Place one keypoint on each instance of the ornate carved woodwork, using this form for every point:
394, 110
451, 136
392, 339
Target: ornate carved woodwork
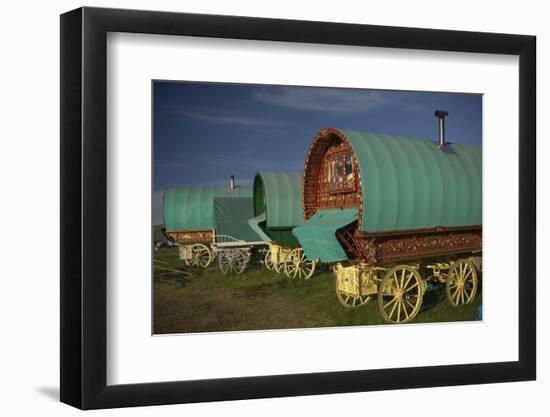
331, 176
393, 248
196, 236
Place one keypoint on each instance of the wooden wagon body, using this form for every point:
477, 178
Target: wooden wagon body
386, 209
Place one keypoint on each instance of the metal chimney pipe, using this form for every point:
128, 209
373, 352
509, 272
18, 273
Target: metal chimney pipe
441, 114
232, 182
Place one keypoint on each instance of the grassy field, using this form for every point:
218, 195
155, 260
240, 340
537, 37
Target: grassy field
206, 300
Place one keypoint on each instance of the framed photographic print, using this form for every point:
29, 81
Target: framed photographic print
257, 208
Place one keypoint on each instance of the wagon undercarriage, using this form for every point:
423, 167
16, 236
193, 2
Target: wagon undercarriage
292, 262
234, 256
400, 288
398, 269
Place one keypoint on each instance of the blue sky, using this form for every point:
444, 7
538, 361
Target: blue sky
204, 132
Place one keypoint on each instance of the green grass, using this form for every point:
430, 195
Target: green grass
207, 300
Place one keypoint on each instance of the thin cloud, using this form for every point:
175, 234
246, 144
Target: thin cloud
235, 120
322, 99
246, 160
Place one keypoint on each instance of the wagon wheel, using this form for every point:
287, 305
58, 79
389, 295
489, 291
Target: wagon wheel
297, 265
400, 294
201, 256
268, 262
233, 261
461, 285
351, 301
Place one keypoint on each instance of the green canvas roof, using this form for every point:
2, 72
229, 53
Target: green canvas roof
412, 184
278, 194
192, 208
318, 235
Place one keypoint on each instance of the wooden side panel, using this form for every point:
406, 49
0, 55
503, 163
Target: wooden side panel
395, 248
192, 236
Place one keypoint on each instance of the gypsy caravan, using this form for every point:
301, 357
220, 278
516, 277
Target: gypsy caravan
392, 213
209, 222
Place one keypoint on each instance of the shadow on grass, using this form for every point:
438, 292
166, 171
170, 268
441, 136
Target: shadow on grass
178, 279
433, 297
438, 295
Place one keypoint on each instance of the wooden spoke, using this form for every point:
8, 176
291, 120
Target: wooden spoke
410, 304
268, 262
351, 301
456, 293
399, 311
393, 309
412, 287
407, 281
400, 294
393, 300
297, 265
461, 285
405, 309
201, 256
233, 261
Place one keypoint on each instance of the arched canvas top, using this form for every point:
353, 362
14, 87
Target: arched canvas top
192, 208
413, 184
278, 195
409, 184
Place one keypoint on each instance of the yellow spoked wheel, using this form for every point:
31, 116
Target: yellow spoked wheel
350, 300
268, 262
400, 294
461, 285
297, 265
201, 256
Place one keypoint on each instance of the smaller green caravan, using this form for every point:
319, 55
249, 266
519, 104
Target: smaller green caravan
278, 210
209, 222
192, 209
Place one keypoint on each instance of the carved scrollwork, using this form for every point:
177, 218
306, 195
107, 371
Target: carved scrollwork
392, 248
186, 237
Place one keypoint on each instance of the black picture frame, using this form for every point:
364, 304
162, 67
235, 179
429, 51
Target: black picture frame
84, 207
